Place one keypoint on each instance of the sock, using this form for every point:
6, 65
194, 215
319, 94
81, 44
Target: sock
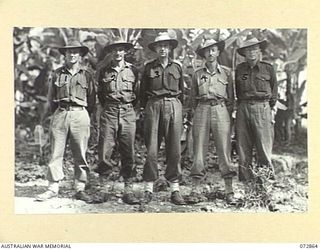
79, 185
148, 187
174, 186
53, 186
228, 185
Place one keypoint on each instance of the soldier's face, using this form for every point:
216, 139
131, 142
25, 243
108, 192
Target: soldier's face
73, 56
163, 49
118, 53
252, 53
211, 53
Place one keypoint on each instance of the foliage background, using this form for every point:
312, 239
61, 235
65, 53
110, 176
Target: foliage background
36, 55
220, 227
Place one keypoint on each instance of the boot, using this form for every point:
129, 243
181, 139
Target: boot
128, 196
177, 199
194, 196
147, 198
52, 192
49, 194
83, 196
130, 199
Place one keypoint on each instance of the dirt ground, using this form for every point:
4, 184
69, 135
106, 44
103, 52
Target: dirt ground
287, 194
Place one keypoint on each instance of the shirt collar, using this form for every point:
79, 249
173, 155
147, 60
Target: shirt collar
66, 70
157, 61
258, 65
125, 65
204, 67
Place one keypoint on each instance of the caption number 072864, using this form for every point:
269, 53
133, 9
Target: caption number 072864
308, 245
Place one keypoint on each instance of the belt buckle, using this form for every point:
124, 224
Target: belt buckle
214, 103
72, 108
124, 105
64, 107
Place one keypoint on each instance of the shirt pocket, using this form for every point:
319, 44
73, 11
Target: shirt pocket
109, 82
221, 88
243, 83
155, 79
263, 83
62, 86
173, 80
128, 82
202, 87
81, 87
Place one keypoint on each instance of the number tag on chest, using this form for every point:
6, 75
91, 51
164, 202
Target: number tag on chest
244, 77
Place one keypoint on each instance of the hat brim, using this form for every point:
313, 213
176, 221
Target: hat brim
173, 44
262, 45
110, 47
220, 46
83, 49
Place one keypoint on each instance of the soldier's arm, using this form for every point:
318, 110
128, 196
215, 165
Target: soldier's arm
193, 92
143, 88
274, 88
91, 94
236, 84
181, 86
136, 87
100, 88
230, 93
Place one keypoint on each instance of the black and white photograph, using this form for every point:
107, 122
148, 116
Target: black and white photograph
160, 120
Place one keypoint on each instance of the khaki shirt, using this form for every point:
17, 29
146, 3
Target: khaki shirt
257, 83
158, 81
77, 89
118, 86
212, 86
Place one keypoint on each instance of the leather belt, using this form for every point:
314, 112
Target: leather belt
212, 102
70, 107
253, 101
165, 97
118, 105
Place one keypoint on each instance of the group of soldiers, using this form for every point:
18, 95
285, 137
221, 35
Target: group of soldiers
72, 99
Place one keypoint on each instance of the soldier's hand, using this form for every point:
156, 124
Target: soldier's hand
234, 114
190, 115
273, 115
141, 113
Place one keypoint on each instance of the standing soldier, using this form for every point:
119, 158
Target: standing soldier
71, 98
212, 102
256, 90
117, 93
161, 97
